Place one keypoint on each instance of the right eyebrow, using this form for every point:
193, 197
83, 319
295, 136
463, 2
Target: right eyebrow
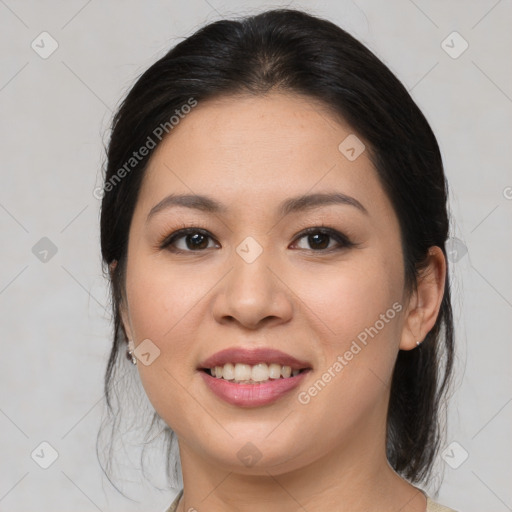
195, 201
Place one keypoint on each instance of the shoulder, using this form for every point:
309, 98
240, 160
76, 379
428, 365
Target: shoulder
174, 505
432, 506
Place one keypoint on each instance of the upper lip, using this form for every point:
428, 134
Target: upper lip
252, 357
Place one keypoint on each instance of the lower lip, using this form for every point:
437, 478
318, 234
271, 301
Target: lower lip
252, 395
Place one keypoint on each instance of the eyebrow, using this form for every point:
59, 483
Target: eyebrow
291, 205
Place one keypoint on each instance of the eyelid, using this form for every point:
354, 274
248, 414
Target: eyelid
337, 235
182, 232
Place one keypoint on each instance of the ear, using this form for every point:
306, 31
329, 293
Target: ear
425, 302
111, 268
123, 310
125, 321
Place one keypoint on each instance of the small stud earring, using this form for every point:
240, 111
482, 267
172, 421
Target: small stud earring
131, 349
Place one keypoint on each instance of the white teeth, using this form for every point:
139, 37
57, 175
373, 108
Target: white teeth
261, 372
228, 371
242, 371
274, 371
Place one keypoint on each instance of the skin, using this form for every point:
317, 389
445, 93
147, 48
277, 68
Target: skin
250, 153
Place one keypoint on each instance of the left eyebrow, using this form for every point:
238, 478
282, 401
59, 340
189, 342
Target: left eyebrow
308, 202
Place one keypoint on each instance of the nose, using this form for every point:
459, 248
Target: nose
253, 295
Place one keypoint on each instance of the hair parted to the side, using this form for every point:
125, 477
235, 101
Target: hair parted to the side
292, 51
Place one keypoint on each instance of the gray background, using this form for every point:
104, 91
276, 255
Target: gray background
54, 307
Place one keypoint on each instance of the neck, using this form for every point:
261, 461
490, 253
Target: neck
354, 477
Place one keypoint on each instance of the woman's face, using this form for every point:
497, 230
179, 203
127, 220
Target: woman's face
248, 277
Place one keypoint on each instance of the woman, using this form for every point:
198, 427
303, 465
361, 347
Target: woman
274, 222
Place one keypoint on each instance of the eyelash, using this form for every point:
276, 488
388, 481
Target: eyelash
342, 239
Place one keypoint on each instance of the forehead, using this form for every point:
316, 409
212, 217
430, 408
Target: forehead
273, 128
259, 148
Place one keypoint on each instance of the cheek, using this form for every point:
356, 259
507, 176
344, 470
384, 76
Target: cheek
343, 300
354, 312
162, 302
356, 324
159, 295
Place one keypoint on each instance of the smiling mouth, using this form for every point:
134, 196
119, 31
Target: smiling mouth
239, 373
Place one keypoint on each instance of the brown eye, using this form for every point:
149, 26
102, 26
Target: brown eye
193, 240
319, 239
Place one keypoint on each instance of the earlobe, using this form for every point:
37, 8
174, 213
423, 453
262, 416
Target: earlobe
125, 323
111, 268
411, 332
426, 301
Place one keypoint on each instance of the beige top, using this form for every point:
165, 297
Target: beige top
432, 506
